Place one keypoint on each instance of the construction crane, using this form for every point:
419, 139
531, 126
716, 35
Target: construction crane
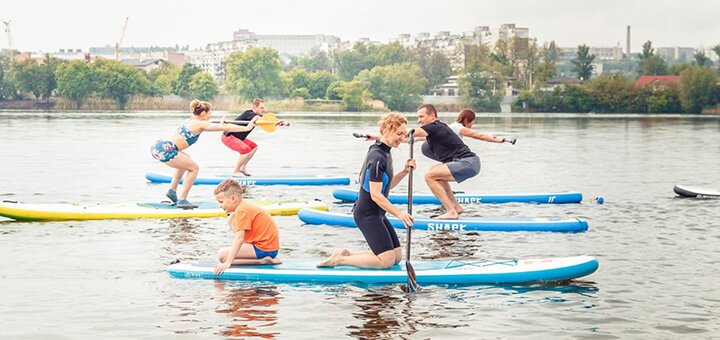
9, 40
119, 43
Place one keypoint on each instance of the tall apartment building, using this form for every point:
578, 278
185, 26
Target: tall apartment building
601, 53
212, 60
452, 45
676, 53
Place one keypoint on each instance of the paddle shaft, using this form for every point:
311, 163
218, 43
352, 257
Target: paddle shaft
245, 122
412, 281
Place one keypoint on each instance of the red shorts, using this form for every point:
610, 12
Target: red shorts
239, 145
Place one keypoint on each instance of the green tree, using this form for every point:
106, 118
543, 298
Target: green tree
295, 79
315, 61
335, 90
547, 68
254, 74
319, 83
301, 92
49, 67
647, 52
665, 99
28, 77
678, 68
582, 64
203, 86
399, 86
164, 78
435, 67
391, 54
701, 59
349, 63
7, 89
354, 96
118, 81
75, 81
653, 66
716, 49
481, 91
182, 86
611, 93
698, 88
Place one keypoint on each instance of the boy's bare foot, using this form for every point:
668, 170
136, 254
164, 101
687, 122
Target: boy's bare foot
270, 260
459, 210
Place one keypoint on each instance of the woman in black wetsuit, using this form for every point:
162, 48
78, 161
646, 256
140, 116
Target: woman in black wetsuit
377, 178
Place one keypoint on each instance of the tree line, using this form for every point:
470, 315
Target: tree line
698, 88
392, 73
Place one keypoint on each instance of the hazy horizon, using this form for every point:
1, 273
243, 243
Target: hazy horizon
51, 25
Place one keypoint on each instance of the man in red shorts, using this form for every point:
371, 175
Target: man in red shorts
239, 142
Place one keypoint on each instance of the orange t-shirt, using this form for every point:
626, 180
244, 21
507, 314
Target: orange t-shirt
260, 229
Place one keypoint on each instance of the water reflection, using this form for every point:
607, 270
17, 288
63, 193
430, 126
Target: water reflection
252, 309
448, 244
383, 314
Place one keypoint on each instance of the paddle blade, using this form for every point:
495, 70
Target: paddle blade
412, 279
267, 127
267, 122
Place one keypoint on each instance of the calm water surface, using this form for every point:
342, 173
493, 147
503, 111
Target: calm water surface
659, 255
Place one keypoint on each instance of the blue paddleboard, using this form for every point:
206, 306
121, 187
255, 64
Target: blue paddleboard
257, 180
464, 272
561, 197
466, 224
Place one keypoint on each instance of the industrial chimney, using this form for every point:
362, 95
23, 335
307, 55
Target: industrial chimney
627, 43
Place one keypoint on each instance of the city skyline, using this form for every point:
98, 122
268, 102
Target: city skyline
83, 24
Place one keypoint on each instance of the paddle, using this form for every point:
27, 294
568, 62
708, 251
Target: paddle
412, 280
267, 122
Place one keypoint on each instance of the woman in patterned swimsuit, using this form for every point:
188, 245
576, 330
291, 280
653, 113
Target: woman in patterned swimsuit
170, 151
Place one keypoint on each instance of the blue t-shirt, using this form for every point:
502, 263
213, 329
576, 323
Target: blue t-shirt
378, 167
444, 142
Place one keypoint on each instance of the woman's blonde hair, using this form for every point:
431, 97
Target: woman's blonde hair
198, 107
391, 122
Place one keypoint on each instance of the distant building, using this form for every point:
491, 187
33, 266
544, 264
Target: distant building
449, 88
656, 82
682, 54
146, 65
453, 45
212, 60
601, 53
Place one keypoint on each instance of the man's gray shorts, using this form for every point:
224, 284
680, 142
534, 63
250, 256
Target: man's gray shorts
464, 168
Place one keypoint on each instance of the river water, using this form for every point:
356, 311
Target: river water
658, 254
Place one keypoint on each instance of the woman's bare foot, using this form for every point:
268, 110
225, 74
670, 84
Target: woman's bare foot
331, 262
334, 259
341, 252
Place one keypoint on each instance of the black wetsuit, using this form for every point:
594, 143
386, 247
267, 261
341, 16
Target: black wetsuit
444, 143
247, 115
369, 217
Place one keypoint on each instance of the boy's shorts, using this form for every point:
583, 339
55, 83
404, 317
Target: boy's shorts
259, 253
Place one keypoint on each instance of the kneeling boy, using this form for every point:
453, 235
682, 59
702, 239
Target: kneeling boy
257, 238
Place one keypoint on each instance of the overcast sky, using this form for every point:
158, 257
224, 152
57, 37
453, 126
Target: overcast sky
52, 24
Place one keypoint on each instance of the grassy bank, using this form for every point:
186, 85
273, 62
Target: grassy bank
170, 103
